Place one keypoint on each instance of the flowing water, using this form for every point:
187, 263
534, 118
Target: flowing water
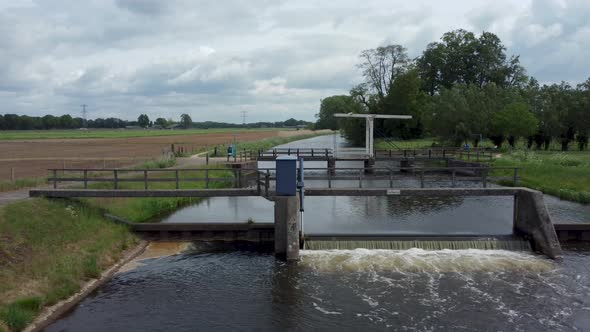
211, 286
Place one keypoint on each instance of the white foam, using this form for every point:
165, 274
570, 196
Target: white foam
419, 260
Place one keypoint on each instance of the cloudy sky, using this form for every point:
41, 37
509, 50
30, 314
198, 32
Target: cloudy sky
274, 59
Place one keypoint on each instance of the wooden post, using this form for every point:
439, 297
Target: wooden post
145, 179
54, 179
390, 178
266, 182
207, 179
258, 182
85, 179
176, 176
421, 178
116, 179
361, 178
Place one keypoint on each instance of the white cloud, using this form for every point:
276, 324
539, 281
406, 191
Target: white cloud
275, 59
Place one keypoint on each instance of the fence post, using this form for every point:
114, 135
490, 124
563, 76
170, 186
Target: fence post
104, 163
258, 182
484, 176
116, 177
85, 179
207, 179
12, 174
361, 178
54, 179
329, 180
145, 179
390, 177
453, 178
207, 159
266, 182
176, 175
421, 178
515, 176
239, 178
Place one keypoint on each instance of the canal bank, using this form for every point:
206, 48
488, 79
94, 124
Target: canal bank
50, 249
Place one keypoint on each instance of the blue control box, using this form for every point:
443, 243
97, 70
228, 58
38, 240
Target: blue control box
286, 175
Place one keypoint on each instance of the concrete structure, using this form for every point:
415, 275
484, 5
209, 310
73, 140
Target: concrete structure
287, 227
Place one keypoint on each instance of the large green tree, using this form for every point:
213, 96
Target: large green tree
515, 121
186, 121
143, 121
462, 57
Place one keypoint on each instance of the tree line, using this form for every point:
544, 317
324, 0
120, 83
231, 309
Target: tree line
463, 88
66, 121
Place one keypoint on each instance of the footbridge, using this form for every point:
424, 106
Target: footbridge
531, 221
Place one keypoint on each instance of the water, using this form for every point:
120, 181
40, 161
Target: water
226, 289
237, 287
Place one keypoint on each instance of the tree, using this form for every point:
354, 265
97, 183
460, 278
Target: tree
186, 121
515, 121
143, 121
331, 105
462, 57
381, 67
161, 122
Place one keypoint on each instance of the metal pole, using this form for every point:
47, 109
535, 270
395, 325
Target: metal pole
145, 179
85, 179
390, 177
176, 176
515, 176
453, 179
116, 178
258, 182
484, 178
207, 179
54, 179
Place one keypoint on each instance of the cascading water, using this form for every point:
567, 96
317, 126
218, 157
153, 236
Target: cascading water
514, 244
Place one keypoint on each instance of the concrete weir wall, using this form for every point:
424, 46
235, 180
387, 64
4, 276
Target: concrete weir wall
287, 227
532, 221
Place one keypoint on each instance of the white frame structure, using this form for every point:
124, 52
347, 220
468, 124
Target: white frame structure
370, 123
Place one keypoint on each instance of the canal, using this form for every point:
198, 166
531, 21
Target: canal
238, 287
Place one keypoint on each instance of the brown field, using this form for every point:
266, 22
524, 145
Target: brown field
32, 158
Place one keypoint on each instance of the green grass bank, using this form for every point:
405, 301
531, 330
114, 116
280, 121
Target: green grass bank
562, 174
50, 248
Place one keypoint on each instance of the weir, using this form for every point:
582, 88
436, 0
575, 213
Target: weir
532, 226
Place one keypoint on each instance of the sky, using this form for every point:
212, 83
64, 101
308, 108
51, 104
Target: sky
273, 59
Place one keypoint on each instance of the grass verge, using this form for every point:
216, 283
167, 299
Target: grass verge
48, 249
21, 183
562, 174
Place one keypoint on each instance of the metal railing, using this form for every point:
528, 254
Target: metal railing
262, 178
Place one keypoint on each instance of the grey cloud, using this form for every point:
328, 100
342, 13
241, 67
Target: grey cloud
274, 59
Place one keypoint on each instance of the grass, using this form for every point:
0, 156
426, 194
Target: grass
144, 209
562, 174
48, 248
21, 183
116, 133
381, 144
